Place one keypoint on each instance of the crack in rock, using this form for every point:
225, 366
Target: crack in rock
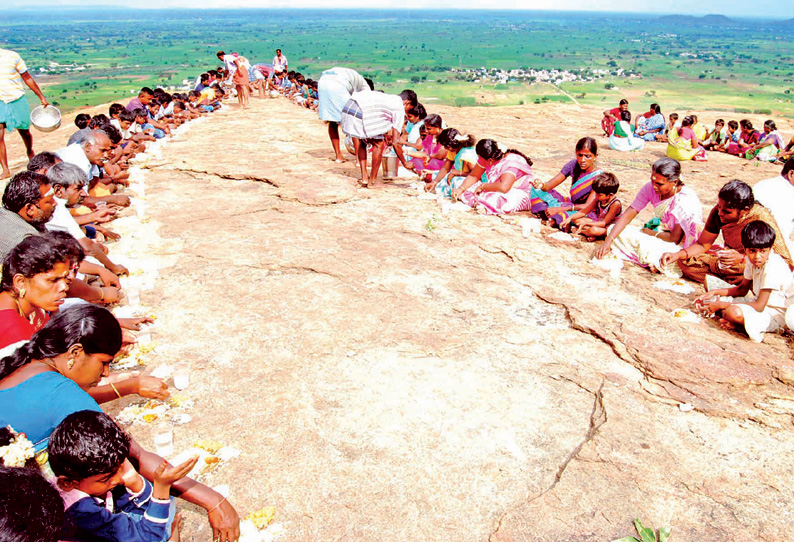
598, 417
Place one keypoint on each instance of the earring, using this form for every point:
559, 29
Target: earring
70, 364
22, 293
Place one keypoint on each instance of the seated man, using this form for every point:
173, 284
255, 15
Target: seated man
144, 97
89, 155
777, 195
70, 183
736, 207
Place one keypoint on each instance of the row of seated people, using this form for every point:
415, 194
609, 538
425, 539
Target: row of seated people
58, 338
495, 179
689, 139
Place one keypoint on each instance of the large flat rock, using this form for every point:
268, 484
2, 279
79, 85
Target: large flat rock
392, 373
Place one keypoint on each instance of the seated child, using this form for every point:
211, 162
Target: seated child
716, 136
772, 283
115, 110
600, 211
731, 136
104, 496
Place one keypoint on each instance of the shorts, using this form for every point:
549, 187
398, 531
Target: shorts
15, 115
757, 323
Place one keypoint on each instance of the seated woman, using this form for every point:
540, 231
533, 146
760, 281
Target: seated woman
736, 207
613, 115
46, 379
582, 170
509, 175
676, 225
749, 136
700, 129
432, 155
787, 152
769, 145
622, 139
35, 278
650, 124
461, 159
683, 144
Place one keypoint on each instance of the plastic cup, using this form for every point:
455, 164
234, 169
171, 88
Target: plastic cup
181, 376
133, 297
163, 437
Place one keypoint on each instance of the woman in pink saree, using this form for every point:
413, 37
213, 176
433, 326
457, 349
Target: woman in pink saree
509, 187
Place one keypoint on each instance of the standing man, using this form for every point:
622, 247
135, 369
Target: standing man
334, 89
280, 62
14, 109
374, 118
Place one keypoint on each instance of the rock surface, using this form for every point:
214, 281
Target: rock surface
393, 373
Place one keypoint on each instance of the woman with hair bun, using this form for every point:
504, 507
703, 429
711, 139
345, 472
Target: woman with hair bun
509, 180
47, 379
460, 160
769, 146
678, 219
683, 144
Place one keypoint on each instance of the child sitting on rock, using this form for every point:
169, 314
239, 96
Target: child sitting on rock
772, 283
104, 496
600, 211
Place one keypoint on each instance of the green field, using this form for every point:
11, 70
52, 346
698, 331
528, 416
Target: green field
745, 67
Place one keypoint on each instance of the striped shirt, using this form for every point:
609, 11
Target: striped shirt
12, 67
380, 112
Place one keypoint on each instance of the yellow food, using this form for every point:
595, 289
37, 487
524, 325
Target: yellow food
177, 400
210, 446
211, 460
149, 418
146, 348
262, 518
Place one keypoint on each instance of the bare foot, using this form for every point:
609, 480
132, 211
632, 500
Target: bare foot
725, 324
340, 160
176, 527
376, 184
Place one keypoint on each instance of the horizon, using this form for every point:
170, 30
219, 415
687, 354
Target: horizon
572, 8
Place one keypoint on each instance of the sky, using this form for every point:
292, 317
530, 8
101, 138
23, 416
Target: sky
773, 9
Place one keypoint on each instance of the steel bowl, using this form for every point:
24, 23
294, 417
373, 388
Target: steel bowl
45, 119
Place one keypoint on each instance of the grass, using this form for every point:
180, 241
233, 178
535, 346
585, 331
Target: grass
747, 68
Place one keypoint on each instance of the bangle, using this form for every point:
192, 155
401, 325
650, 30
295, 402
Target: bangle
686, 254
657, 234
211, 510
101, 294
115, 389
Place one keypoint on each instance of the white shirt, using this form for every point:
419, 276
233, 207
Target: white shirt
280, 63
125, 134
774, 275
62, 220
777, 195
74, 154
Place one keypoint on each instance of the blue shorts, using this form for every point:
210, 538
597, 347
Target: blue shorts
15, 115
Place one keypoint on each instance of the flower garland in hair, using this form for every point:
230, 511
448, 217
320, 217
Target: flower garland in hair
18, 452
459, 137
502, 147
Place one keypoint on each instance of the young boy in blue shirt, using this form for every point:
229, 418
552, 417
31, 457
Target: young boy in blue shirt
104, 496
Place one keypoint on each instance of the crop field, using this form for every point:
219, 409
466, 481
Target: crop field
95, 56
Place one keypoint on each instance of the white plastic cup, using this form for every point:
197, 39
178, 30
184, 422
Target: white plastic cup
133, 297
446, 207
181, 376
163, 437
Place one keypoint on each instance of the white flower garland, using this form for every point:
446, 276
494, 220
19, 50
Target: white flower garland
18, 452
